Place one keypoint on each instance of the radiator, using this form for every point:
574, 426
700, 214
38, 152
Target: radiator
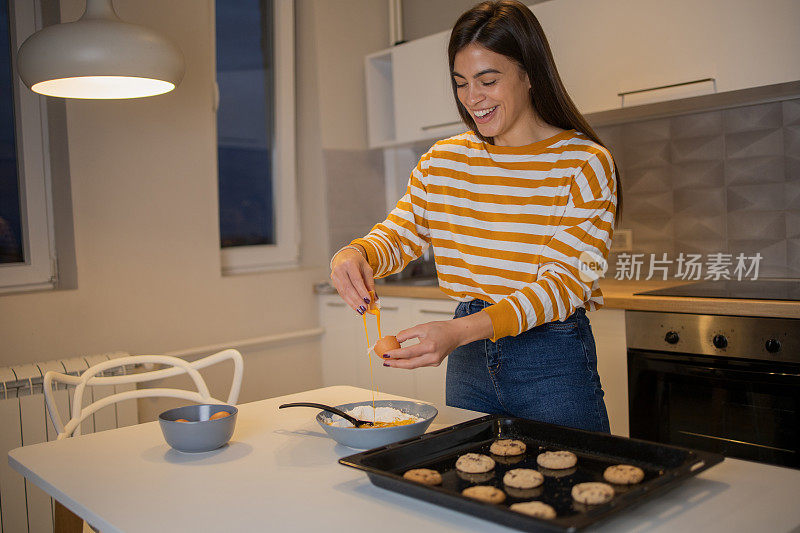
25, 508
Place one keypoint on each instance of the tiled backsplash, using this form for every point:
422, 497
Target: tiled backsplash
720, 181
711, 182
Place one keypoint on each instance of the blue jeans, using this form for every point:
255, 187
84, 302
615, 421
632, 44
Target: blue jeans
548, 373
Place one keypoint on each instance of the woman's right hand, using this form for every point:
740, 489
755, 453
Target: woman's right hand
353, 278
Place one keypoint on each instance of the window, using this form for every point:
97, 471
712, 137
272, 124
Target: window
27, 254
255, 134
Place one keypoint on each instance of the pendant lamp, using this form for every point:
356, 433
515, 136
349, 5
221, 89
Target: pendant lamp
99, 56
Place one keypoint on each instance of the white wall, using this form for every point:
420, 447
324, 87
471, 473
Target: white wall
424, 17
144, 196
346, 31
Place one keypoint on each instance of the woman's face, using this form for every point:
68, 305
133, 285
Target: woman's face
495, 91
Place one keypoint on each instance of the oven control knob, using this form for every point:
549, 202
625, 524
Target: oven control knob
672, 337
720, 341
773, 345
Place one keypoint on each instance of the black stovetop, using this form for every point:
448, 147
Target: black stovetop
763, 289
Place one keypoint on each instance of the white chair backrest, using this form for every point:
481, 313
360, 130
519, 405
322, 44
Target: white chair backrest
177, 367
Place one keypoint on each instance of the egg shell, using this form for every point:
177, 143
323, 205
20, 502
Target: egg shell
385, 344
373, 306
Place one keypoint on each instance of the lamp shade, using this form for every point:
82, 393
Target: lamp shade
99, 56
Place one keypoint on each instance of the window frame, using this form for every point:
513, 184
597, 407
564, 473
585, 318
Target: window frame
285, 253
39, 271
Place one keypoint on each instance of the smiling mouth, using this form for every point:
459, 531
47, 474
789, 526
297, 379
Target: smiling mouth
483, 112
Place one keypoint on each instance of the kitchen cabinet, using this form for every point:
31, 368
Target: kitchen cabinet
344, 361
423, 103
608, 327
344, 347
340, 366
649, 44
430, 381
634, 46
408, 93
394, 318
649, 50
380, 99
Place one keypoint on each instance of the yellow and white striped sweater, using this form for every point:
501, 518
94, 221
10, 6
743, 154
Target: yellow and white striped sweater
508, 225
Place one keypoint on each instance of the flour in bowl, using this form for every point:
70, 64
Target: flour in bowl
381, 414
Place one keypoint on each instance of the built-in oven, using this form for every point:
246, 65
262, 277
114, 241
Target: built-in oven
725, 384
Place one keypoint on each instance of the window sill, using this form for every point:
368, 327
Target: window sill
33, 287
257, 269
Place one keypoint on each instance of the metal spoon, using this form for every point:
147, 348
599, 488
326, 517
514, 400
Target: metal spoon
356, 422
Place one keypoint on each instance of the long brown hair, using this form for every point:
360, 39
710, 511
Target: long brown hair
509, 28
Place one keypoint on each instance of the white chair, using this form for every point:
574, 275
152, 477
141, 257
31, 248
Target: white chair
65, 520
178, 366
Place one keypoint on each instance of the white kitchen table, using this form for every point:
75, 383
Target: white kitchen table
280, 473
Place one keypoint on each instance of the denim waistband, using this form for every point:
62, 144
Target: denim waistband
473, 306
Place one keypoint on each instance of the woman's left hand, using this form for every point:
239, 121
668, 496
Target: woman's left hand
437, 340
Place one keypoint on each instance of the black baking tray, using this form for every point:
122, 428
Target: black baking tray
664, 466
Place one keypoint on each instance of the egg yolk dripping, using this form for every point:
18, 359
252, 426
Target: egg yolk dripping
394, 423
372, 309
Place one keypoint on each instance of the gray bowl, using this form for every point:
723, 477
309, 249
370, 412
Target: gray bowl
366, 438
199, 434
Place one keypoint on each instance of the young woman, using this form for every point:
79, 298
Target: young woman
514, 209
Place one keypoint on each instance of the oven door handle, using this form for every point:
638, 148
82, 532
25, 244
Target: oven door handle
760, 371
744, 375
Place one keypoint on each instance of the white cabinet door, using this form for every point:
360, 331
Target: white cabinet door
380, 98
621, 46
394, 318
588, 74
431, 380
344, 357
605, 48
608, 326
342, 344
756, 43
424, 106
673, 50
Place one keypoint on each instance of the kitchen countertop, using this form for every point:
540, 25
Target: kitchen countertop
619, 294
280, 472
